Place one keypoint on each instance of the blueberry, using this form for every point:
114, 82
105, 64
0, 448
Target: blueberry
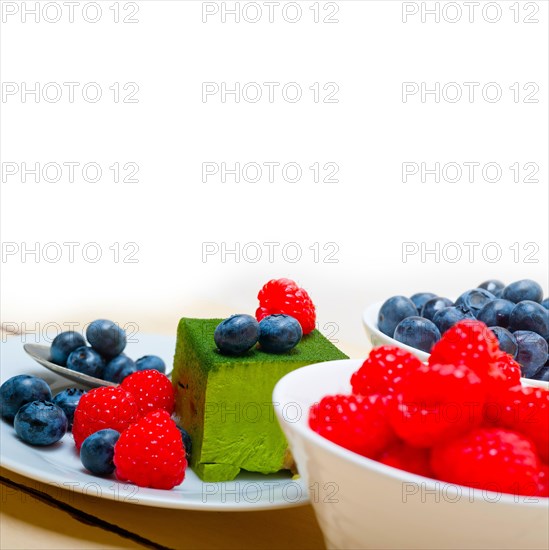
237, 334
523, 290
87, 361
507, 342
106, 337
151, 362
279, 333
420, 298
447, 317
542, 374
432, 306
187, 443
496, 313
97, 452
63, 345
528, 315
531, 353
418, 333
393, 311
68, 400
545, 303
20, 390
492, 285
118, 368
475, 299
498, 293
40, 423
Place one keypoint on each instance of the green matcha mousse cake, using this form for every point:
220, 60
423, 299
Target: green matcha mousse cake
225, 404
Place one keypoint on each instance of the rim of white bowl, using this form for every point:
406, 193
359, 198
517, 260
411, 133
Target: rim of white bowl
369, 319
302, 428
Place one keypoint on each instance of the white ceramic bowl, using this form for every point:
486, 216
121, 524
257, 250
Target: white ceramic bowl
360, 503
377, 338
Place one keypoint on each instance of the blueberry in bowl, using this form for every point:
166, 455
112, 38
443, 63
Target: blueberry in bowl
418, 333
393, 311
494, 286
433, 305
507, 341
447, 317
421, 298
529, 315
526, 289
475, 299
531, 352
496, 313
542, 375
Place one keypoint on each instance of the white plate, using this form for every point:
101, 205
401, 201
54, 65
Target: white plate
60, 466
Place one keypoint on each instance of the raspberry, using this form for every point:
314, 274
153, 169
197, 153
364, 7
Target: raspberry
470, 343
543, 481
150, 453
152, 391
408, 458
492, 459
436, 403
504, 373
354, 422
102, 408
284, 296
509, 367
384, 370
526, 410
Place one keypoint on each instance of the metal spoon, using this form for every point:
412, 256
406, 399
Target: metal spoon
41, 354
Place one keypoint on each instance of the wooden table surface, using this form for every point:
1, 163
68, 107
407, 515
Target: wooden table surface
34, 515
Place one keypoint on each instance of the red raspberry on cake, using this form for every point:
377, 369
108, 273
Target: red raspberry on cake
436, 403
493, 459
355, 422
150, 453
152, 391
470, 343
384, 370
102, 408
526, 410
284, 296
408, 458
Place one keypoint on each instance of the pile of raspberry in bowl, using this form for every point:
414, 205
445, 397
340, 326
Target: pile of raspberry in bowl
461, 418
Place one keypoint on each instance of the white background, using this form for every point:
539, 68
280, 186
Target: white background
170, 131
